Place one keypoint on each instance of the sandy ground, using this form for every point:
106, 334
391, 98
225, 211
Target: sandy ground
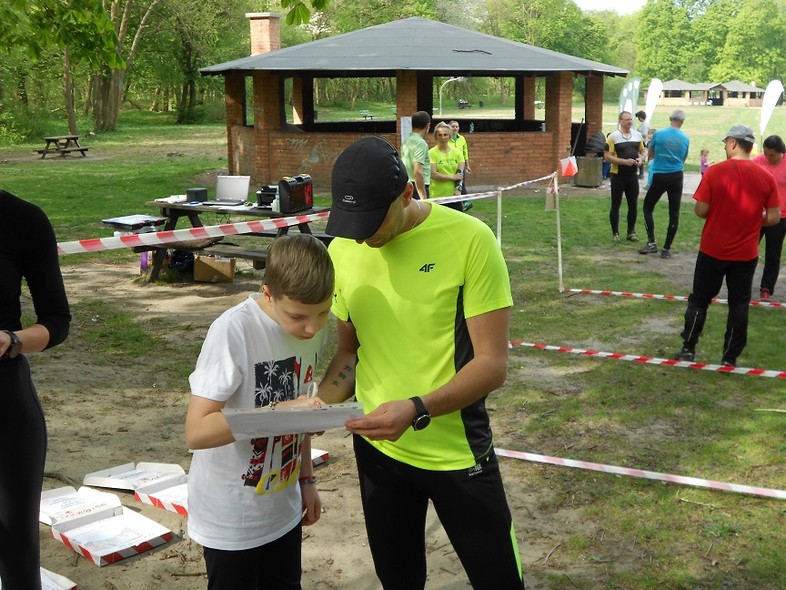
102, 412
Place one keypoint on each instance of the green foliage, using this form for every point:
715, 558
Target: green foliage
749, 53
663, 40
20, 122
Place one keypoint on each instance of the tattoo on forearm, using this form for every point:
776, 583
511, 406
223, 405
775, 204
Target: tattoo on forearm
343, 375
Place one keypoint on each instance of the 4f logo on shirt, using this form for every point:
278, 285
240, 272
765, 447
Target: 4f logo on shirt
428, 267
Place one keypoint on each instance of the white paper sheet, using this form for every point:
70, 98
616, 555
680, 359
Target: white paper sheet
259, 422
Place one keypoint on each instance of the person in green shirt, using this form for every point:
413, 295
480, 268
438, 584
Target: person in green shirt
447, 166
414, 154
423, 304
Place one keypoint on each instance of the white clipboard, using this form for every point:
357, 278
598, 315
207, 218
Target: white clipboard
259, 422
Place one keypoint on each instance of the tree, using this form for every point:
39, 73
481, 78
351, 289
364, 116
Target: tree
79, 29
108, 82
663, 39
750, 53
298, 13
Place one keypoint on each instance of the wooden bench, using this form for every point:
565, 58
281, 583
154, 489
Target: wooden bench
258, 257
366, 114
63, 151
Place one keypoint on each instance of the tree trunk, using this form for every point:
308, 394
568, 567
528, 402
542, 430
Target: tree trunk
88, 97
68, 90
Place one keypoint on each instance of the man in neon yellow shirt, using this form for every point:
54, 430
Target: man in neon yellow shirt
423, 304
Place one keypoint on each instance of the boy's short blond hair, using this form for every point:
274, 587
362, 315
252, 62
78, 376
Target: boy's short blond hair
298, 266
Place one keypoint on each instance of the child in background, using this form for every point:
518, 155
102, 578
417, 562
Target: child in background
248, 499
650, 133
705, 161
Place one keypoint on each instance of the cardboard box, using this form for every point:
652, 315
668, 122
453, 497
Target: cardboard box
95, 525
163, 485
214, 269
53, 581
319, 457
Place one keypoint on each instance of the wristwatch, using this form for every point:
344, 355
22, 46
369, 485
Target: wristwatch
16, 345
422, 417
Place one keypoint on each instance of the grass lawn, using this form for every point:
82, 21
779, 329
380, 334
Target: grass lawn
628, 533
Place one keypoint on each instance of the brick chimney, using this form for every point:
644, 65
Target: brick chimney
265, 32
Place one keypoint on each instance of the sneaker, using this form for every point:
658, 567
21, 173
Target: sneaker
615, 238
665, 253
632, 237
466, 205
764, 294
684, 354
729, 363
649, 249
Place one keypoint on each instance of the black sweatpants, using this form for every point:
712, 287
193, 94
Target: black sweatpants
707, 281
671, 184
629, 186
22, 457
773, 244
471, 506
273, 566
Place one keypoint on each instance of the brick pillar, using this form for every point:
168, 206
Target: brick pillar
265, 32
406, 97
529, 98
593, 105
235, 105
268, 98
559, 102
297, 100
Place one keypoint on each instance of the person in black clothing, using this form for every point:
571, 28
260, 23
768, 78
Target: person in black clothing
28, 250
625, 152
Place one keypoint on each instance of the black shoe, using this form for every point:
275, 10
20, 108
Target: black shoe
729, 363
684, 354
466, 205
649, 249
665, 254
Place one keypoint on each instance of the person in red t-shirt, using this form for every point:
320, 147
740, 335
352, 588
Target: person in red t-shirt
735, 198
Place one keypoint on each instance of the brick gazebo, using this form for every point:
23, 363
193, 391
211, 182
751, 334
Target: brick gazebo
414, 51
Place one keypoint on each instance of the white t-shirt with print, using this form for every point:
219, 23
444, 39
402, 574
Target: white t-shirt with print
248, 361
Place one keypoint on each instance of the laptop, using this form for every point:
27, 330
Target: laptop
230, 191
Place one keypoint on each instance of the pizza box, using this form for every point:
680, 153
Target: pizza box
163, 485
166, 496
319, 457
97, 526
52, 581
131, 477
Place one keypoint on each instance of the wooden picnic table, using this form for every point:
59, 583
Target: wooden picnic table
173, 212
63, 145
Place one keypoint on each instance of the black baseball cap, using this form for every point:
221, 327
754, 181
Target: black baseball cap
367, 177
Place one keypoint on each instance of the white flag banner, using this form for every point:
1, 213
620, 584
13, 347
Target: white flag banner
771, 96
653, 93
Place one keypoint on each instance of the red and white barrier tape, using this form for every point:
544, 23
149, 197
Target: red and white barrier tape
489, 194
667, 477
232, 229
179, 235
774, 304
649, 360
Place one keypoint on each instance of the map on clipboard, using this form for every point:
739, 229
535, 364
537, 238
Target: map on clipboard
259, 422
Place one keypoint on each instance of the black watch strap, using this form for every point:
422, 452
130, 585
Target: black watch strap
422, 417
15, 348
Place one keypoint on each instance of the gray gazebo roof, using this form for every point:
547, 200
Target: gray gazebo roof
414, 44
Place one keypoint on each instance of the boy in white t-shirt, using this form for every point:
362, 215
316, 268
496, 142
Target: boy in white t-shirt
248, 499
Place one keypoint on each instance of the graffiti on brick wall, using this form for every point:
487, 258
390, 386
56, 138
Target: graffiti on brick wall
315, 154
